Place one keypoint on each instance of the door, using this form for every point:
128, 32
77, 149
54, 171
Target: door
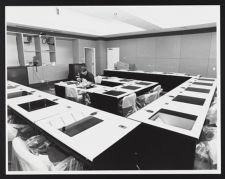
89, 56
113, 56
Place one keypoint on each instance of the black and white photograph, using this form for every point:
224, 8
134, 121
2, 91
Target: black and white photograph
112, 89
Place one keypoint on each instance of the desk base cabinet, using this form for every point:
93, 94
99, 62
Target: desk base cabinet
168, 82
160, 149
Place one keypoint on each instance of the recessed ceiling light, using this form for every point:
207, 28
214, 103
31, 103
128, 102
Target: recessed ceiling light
69, 20
175, 16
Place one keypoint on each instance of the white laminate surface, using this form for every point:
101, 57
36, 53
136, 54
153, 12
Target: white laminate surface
166, 102
91, 142
95, 140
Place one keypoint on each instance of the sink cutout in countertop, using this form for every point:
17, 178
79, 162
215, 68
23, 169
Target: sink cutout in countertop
174, 118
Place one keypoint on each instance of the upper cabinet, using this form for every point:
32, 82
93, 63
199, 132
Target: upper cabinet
35, 49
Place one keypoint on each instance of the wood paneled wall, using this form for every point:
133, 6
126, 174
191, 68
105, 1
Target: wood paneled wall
193, 53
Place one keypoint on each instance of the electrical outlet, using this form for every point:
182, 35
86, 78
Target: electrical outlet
214, 68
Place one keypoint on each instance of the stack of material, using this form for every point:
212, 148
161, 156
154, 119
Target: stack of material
132, 67
121, 66
38, 154
124, 66
206, 149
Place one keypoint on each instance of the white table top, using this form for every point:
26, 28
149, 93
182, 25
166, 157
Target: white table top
100, 89
95, 140
36, 115
128, 91
90, 90
89, 143
166, 102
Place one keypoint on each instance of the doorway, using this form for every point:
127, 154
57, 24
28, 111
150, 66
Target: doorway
89, 58
113, 56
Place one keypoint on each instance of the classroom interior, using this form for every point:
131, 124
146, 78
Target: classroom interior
112, 88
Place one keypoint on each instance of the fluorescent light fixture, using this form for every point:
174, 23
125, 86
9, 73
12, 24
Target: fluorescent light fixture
66, 20
175, 16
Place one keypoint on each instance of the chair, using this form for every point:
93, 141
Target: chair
72, 93
12, 132
146, 99
129, 105
212, 114
158, 89
213, 151
26, 160
140, 101
98, 79
150, 97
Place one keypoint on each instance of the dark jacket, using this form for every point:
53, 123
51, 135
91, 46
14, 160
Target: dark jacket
88, 77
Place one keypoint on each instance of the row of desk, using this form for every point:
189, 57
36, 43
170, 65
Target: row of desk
168, 81
49, 114
107, 95
173, 122
162, 135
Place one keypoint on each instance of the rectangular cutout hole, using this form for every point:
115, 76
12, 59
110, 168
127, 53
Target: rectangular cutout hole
174, 118
36, 105
188, 99
18, 94
199, 83
80, 126
114, 93
201, 90
143, 83
206, 79
130, 87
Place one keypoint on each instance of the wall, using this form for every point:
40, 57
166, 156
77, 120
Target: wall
64, 51
67, 51
12, 55
101, 56
100, 53
75, 47
64, 56
194, 53
82, 44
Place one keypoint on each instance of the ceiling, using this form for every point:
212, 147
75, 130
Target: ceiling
112, 21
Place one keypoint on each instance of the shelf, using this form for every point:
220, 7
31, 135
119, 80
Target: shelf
35, 48
47, 51
30, 51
